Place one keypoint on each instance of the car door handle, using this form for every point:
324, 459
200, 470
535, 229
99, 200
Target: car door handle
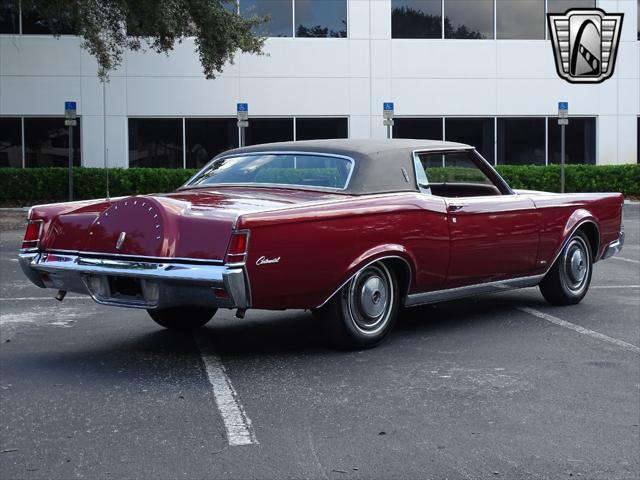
454, 207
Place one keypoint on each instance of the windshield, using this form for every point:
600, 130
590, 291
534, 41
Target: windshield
295, 169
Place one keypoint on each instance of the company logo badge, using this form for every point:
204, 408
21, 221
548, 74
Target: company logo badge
585, 43
120, 241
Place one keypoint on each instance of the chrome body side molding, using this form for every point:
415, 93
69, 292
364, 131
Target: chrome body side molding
416, 299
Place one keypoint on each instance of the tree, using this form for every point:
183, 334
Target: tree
109, 27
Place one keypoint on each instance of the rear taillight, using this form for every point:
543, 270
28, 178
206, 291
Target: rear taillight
238, 247
32, 235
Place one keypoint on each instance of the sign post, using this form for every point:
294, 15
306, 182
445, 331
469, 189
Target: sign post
70, 116
242, 111
387, 115
563, 121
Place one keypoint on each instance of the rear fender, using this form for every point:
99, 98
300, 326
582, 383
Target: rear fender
577, 219
376, 254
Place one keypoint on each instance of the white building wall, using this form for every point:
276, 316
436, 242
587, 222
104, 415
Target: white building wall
325, 77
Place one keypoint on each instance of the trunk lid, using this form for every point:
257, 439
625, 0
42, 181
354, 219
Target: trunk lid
188, 224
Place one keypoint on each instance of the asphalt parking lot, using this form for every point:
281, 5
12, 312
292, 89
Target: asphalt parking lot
502, 386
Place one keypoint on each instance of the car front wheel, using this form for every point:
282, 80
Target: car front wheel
182, 318
364, 310
568, 280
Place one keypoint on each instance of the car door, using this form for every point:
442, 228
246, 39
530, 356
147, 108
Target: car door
493, 232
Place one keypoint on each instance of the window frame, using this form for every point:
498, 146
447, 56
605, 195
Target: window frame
491, 173
545, 10
420, 38
77, 132
293, 21
20, 145
495, 24
187, 184
156, 117
493, 20
295, 26
545, 137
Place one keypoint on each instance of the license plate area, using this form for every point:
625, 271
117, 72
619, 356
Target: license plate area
125, 288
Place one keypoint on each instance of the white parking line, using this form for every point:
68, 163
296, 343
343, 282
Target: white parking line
614, 286
626, 259
579, 329
236, 421
28, 299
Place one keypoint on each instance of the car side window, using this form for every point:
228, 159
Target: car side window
452, 174
421, 177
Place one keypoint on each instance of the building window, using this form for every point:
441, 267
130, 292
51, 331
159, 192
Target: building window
10, 142
9, 17
280, 12
268, 130
561, 6
207, 137
521, 141
470, 19
580, 137
33, 24
321, 18
46, 142
416, 19
155, 142
318, 128
520, 19
423, 128
477, 132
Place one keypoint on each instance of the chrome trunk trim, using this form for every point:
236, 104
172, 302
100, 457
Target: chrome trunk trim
144, 258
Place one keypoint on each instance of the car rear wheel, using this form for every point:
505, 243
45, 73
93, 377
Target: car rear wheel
182, 318
363, 311
568, 280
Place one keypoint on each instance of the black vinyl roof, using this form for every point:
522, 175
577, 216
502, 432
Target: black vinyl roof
378, 165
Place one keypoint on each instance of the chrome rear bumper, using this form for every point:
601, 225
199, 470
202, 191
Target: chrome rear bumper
128, 283
614, 247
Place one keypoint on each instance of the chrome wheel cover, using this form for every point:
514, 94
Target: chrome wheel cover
369, 299
576, 266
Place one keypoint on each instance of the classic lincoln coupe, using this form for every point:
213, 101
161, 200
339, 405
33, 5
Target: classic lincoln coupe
353, 230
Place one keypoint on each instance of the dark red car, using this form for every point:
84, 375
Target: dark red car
351, 229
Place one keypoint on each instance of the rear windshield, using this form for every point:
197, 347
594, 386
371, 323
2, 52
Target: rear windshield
291, 169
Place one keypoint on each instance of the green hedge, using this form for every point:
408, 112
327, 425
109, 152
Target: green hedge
578, 178
32, 185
